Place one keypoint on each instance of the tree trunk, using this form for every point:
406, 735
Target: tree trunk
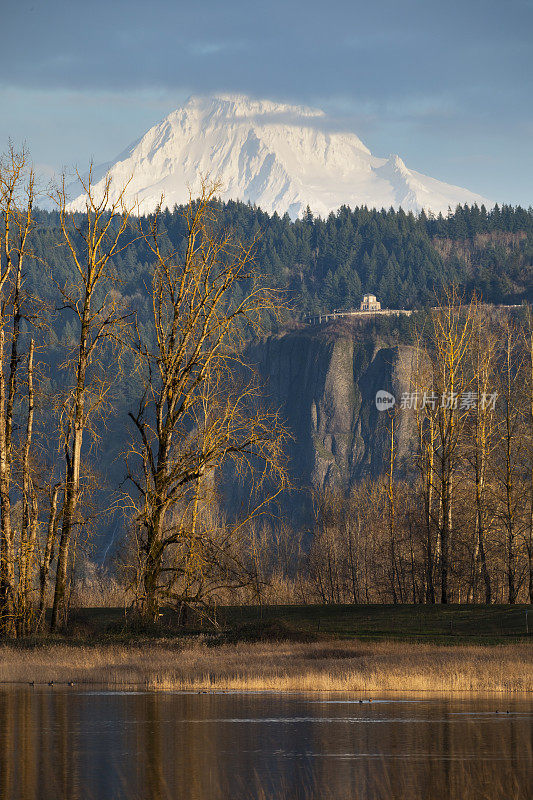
72, 478
48, 555
7, 554
430, 591
28, 533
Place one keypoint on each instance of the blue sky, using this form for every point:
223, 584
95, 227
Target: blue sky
447, 85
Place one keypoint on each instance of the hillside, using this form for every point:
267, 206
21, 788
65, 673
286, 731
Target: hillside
325, 264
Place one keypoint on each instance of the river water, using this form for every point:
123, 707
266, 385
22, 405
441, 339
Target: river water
61, 742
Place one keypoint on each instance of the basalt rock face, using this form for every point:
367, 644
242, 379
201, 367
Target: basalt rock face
325, 381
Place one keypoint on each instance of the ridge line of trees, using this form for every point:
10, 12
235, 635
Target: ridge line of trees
326, 264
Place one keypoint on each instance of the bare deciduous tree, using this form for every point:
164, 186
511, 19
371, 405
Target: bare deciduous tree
509, 467
92, 239
198, 415
479, 437
17, 188
528, 534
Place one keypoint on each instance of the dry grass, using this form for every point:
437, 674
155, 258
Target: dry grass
354, 666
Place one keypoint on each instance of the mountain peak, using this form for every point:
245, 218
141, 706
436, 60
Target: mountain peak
398, 165
279, 156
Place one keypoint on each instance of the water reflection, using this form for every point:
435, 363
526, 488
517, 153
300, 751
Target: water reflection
64, 743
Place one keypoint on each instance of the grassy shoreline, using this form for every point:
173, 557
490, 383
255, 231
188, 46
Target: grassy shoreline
288, 648
197, 665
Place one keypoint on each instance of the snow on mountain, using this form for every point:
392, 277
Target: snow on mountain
277, 156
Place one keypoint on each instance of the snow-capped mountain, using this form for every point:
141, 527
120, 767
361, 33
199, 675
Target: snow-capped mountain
279, 157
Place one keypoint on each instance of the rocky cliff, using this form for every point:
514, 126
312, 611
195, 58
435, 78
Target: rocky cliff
324, 380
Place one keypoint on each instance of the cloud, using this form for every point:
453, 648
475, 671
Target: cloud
215, 48
372, 50
80, 79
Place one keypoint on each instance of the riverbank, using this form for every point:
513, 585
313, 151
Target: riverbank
431, 624
196, 664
